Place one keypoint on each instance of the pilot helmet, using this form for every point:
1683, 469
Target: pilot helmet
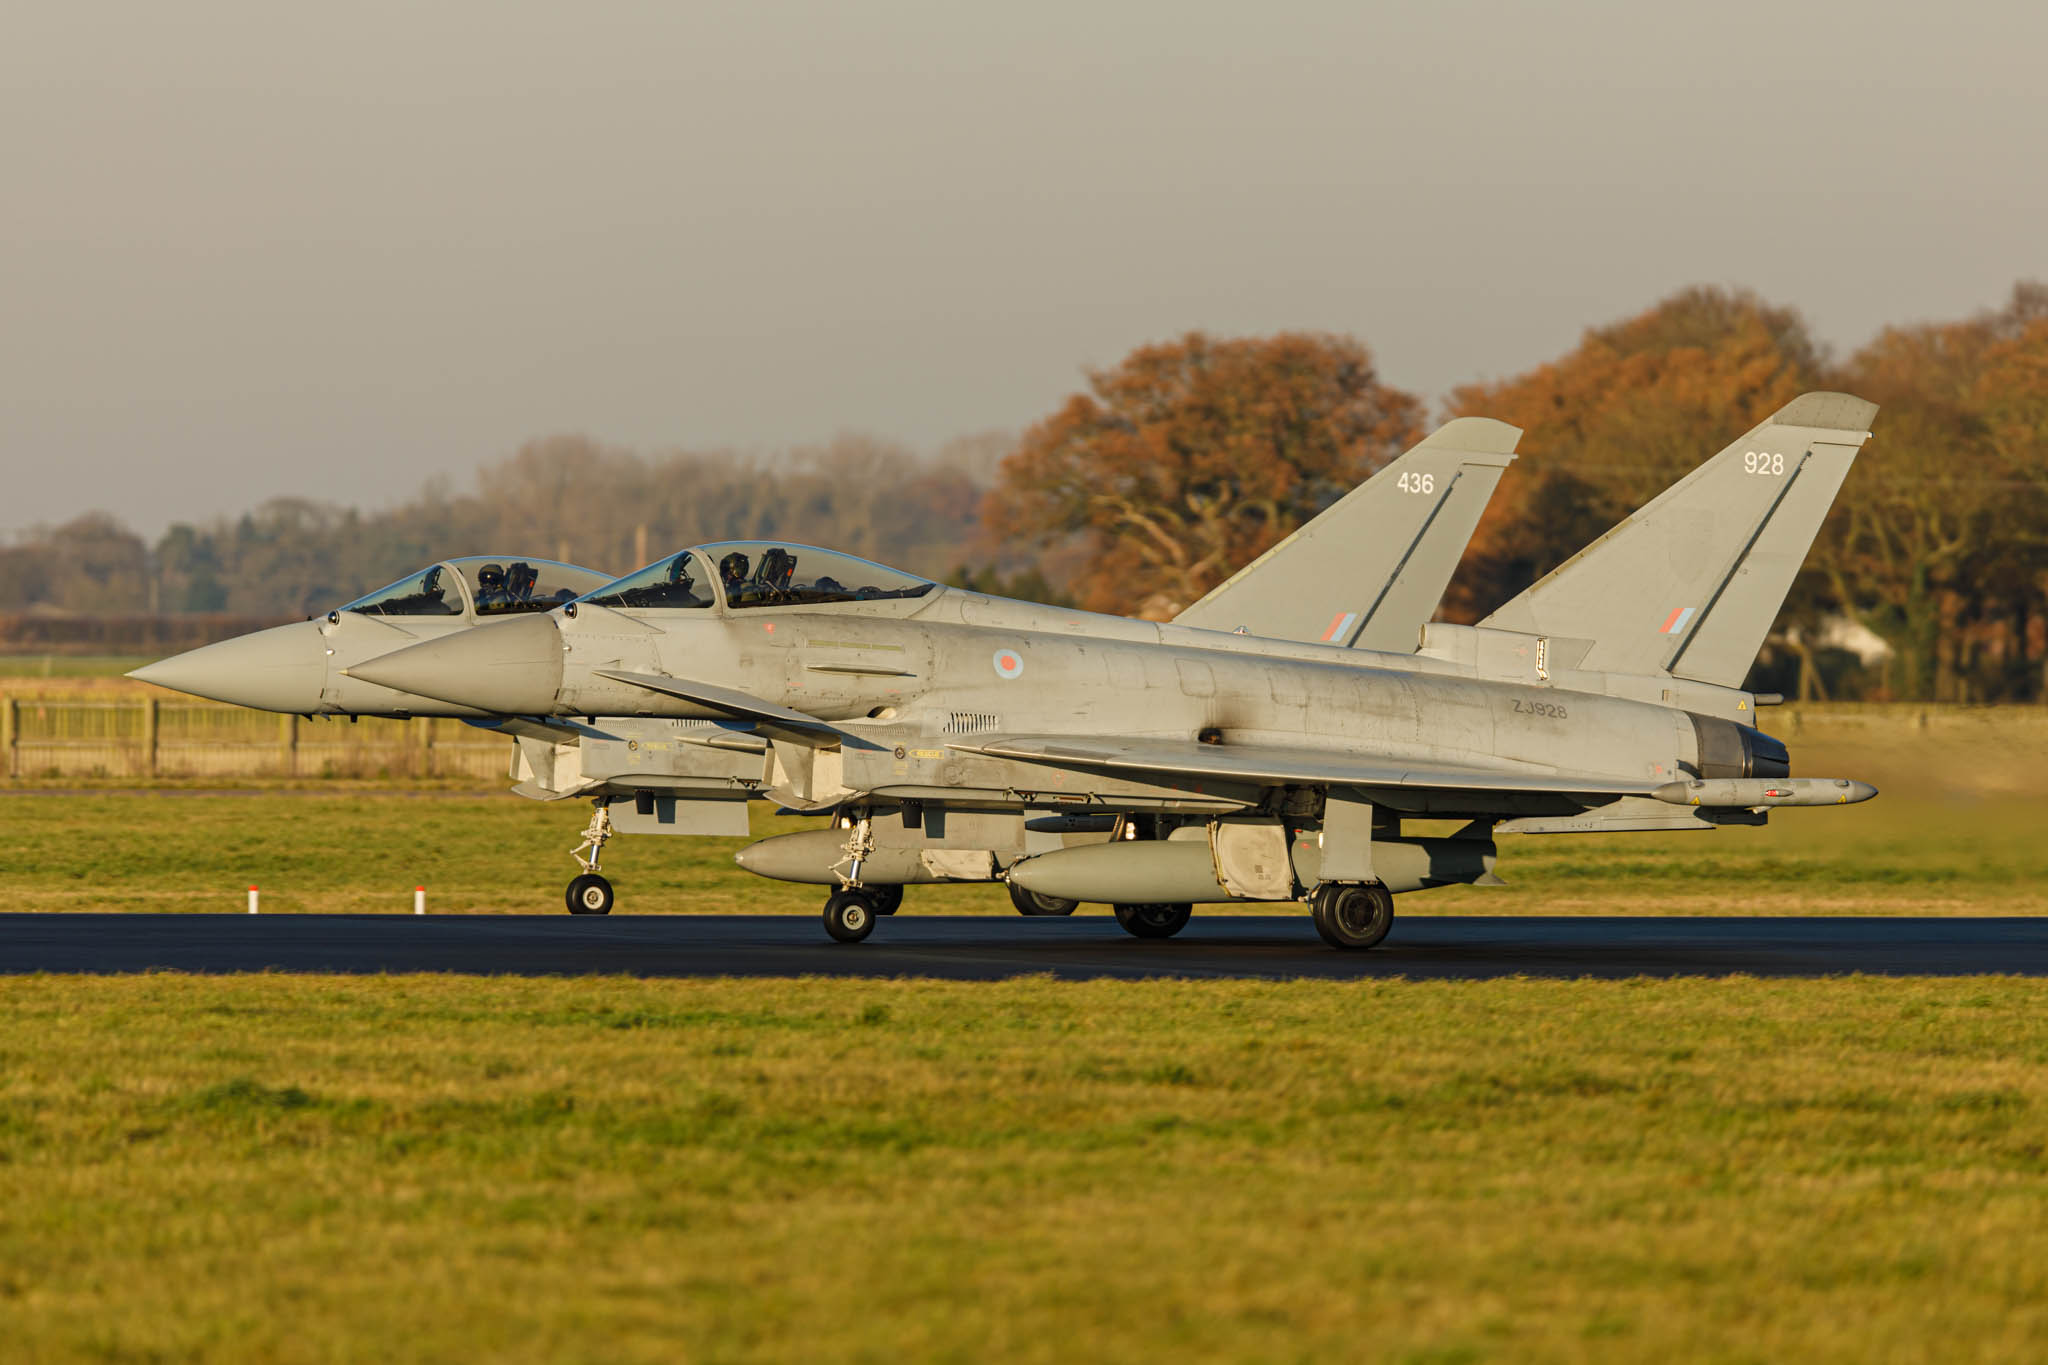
733, 568
491, 576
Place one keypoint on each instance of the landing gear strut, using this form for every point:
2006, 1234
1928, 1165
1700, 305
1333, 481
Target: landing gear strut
851, 911
1152, 921
590, 893
1352, 914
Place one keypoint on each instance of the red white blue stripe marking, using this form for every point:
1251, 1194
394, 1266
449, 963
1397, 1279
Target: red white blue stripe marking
1675, 622
1340, 626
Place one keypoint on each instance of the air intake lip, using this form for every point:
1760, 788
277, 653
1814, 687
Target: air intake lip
1730, 750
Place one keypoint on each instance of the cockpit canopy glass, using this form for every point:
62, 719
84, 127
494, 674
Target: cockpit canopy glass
761, 573
430, 592
494, 585
503, 586
679, 580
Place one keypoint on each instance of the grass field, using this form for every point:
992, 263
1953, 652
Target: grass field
70, 665
274, 1168
310, 1169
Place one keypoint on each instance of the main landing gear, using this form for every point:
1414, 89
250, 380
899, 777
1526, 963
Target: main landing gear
591, 893
1031, 903
851, 911
1152, 921
1352, 914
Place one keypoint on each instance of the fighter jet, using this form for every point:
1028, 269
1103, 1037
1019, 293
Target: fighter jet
946, 729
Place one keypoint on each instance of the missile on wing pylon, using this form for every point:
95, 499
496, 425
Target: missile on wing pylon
1766, 791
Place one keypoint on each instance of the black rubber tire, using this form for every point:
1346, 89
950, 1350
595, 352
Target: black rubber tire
1153, 921
1352, 915
1031, 903
849, 916
888, 899
589, 894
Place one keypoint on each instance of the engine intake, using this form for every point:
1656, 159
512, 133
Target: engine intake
1730, 750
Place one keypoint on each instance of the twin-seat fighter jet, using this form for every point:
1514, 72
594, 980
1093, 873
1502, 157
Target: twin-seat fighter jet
958, 736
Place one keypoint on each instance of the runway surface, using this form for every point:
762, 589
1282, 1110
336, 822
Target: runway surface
989, 948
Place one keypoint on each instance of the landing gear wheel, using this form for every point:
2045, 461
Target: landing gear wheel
1352, 914
589, 894
1031, 903
888, 899
1153, 921
849, 916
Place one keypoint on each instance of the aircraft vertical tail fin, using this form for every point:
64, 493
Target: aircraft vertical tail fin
1368, 571
1690, 583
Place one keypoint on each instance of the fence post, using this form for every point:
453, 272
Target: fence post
151, 718
10, 732
288, 744
426, 724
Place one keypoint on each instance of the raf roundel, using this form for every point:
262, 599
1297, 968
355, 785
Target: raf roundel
1009, 663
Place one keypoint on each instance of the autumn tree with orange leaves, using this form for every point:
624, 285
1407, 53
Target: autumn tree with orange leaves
1939, 541
1622, 416
1193, 456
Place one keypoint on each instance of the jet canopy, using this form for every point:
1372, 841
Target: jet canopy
480, 585
758, 573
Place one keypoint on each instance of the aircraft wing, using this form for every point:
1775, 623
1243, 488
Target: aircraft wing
1178, 758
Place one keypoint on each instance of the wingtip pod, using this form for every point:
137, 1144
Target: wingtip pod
1480, 435
1827, 412
1750, 792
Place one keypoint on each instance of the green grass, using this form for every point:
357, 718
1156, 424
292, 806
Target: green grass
307, 1169
71, 665
365, 851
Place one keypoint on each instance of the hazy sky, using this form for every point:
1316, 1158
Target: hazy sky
260, 248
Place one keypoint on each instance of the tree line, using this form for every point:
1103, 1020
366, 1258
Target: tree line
1191, 456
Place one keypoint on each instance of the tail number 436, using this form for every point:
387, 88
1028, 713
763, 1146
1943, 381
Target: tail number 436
1417, 483
1762, 462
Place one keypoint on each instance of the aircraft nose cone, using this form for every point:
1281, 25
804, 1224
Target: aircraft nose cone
280, 669
513, 668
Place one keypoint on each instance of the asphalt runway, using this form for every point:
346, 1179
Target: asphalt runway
991, 948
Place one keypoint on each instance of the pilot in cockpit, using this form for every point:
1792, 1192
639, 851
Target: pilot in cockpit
490, 588
732, 572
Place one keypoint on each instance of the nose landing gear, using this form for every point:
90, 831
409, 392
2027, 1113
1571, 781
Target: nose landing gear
591, 893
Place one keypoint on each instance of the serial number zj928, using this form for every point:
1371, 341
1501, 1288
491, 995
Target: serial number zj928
1549, 710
